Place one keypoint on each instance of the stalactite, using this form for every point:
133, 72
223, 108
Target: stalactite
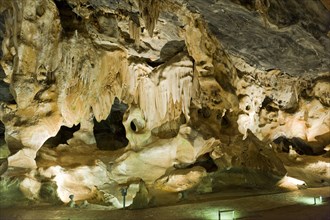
14, 6
188, 102
134, 28
150, 13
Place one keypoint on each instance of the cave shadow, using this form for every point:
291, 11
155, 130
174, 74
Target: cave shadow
110, 134
299, 145
62, 136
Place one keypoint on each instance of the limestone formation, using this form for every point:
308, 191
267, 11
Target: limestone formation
162, 97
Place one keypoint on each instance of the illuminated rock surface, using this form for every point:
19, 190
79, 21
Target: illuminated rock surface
162, 97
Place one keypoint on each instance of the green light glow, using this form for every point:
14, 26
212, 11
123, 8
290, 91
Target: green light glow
213, 214
310, 200
226, 214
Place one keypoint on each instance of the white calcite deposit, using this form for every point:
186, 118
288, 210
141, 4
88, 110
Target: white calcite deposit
161, 97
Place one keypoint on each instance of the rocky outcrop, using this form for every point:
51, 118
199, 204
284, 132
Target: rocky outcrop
162, 95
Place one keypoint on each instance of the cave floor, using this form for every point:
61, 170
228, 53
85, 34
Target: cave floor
284, 205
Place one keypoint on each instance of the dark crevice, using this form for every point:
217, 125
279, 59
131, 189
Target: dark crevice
298, 144
2, 130
205, 112
62, 136
224, 121
70, 21
110, 134
133, 126
205, 161
266, 101
268, 105
5, 95
154, 63
249, 4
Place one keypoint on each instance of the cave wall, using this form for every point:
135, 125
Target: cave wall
214, 81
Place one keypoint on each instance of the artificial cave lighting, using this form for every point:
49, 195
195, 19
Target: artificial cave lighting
318, 200
227, 214
172, 108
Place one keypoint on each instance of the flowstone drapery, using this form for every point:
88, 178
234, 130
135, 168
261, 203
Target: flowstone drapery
194, 96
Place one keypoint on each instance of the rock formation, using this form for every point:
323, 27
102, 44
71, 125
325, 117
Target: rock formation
162, 96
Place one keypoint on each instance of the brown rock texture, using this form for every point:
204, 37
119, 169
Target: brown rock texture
162, 96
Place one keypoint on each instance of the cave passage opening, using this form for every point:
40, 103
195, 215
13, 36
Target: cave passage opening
62, 136
299, 145
207, 162
110, 134
70, 21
